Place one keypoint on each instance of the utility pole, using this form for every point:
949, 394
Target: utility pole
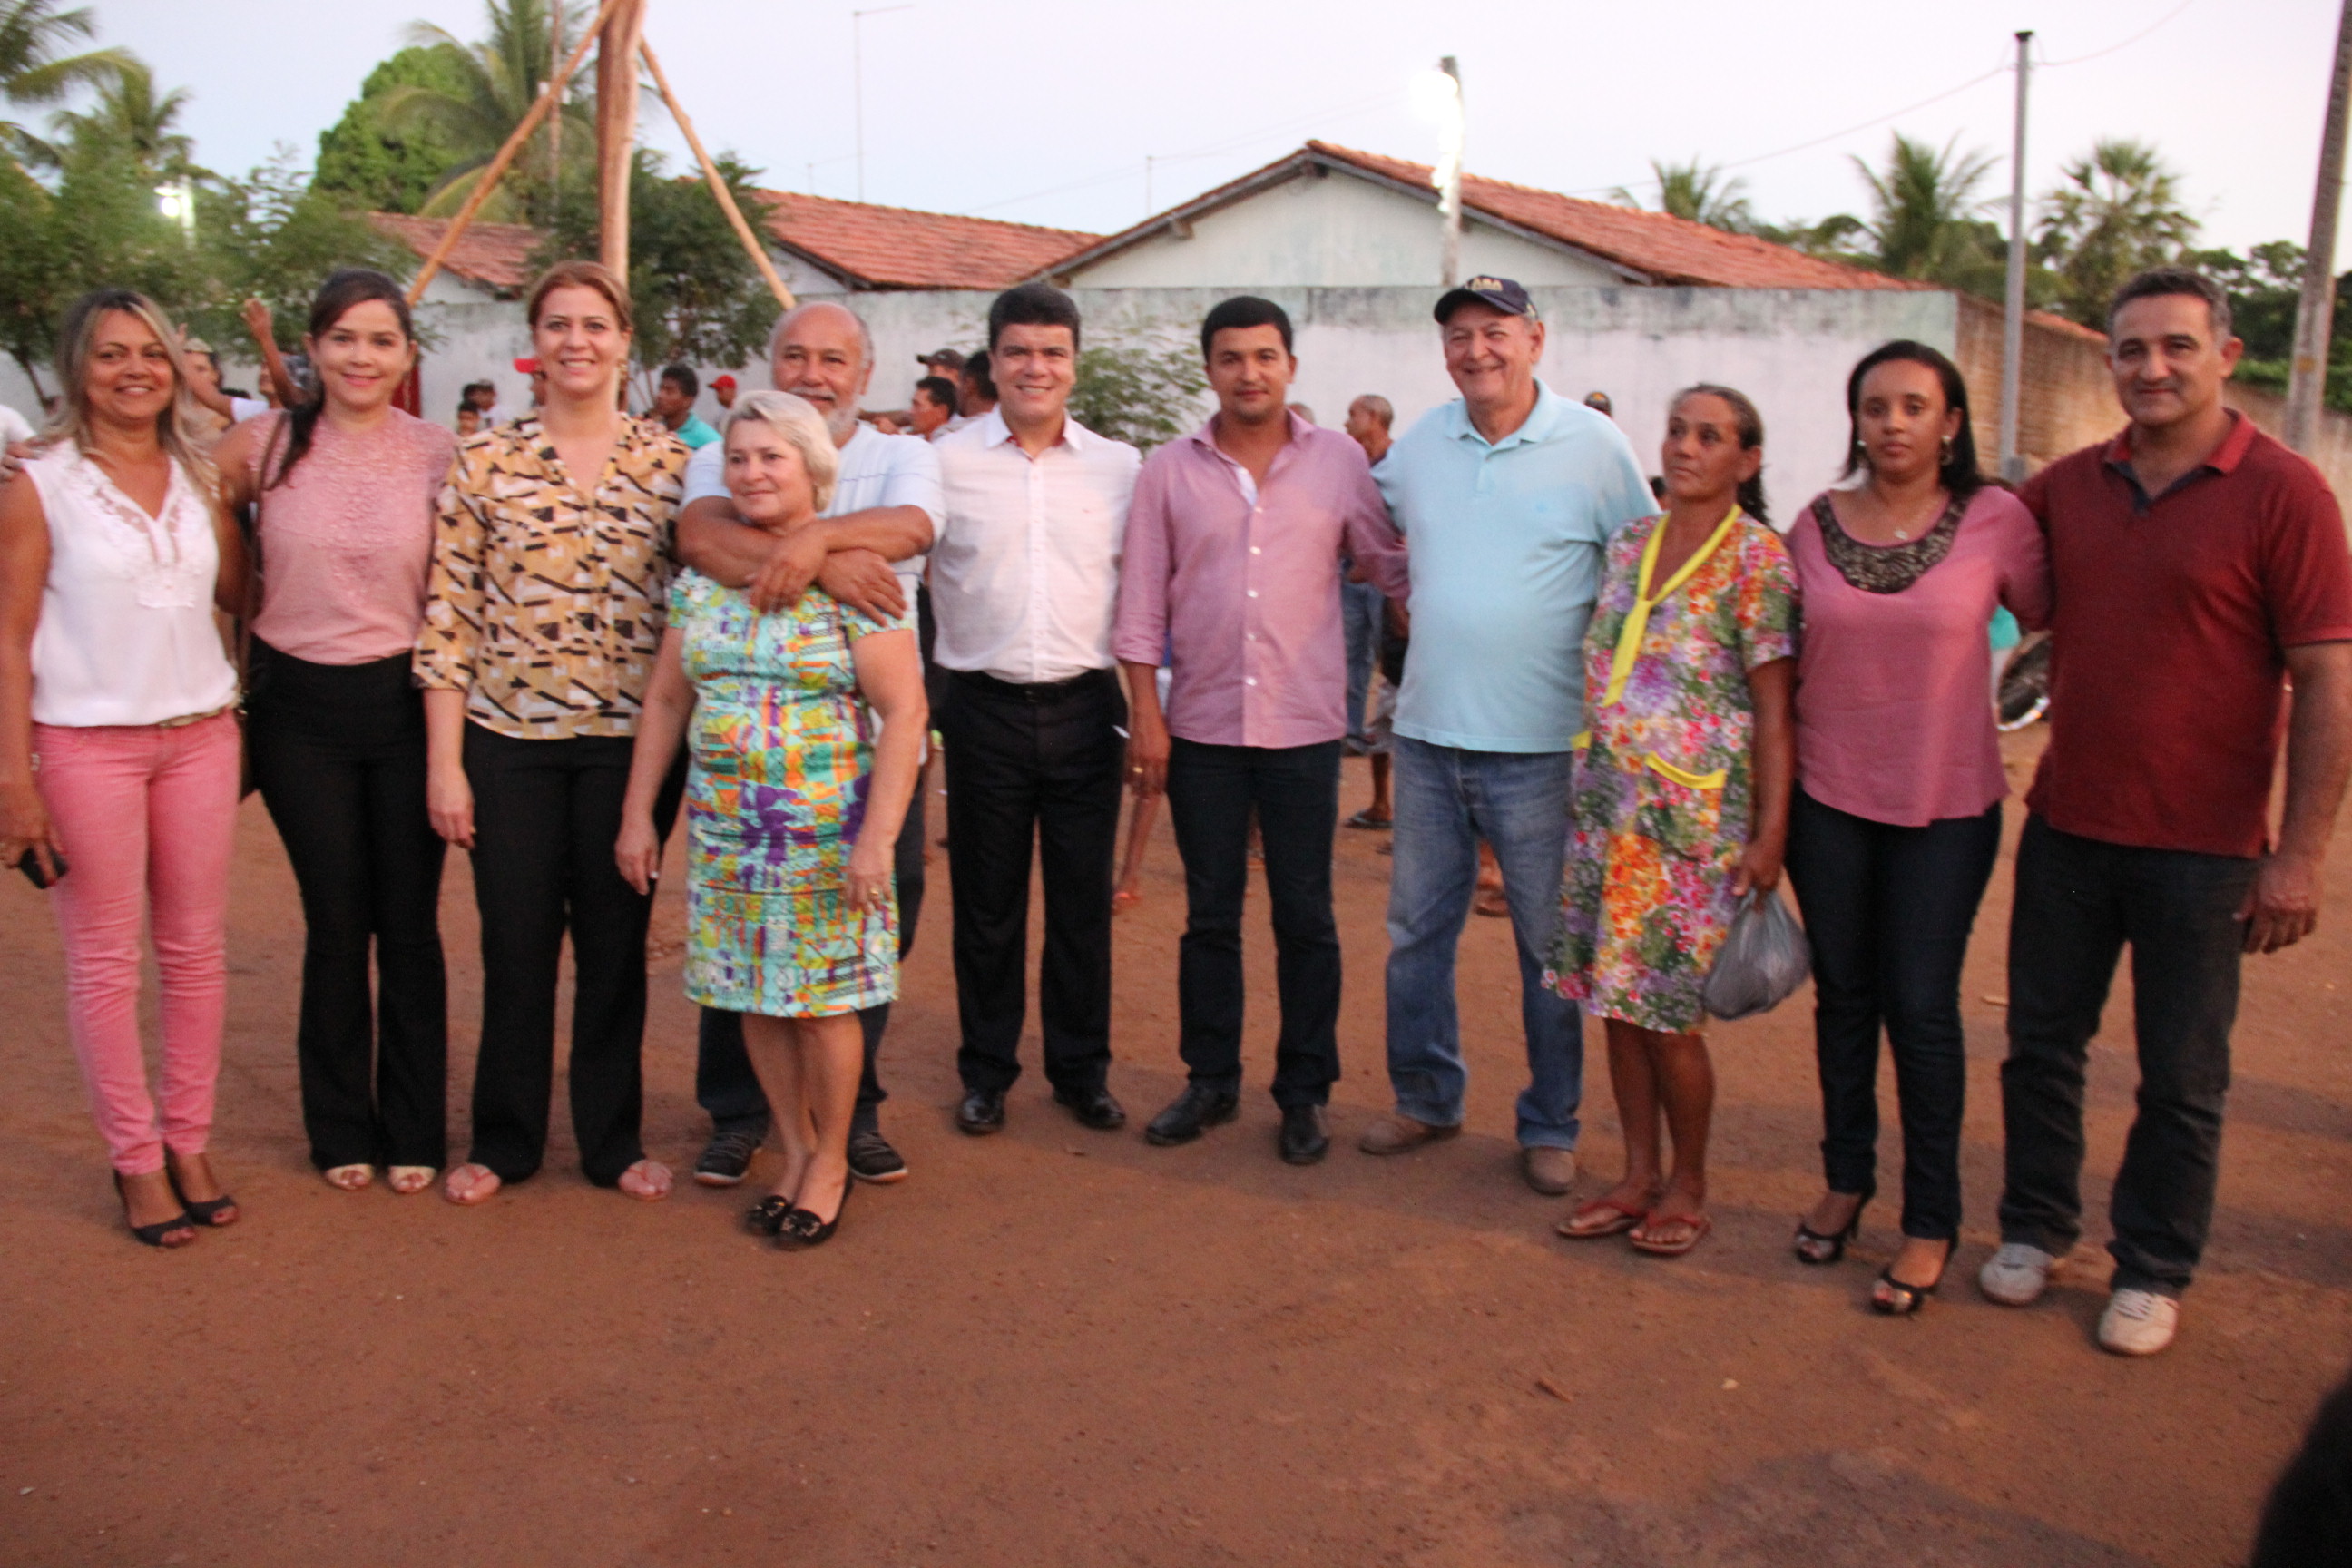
1447, 176
616, 127
2314, 315
2012, 323
857, 79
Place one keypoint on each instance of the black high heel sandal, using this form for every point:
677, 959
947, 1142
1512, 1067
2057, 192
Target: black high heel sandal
206, 1212
153, 1235
1901, 1299
766, 1217
801, 1228
1809, 1243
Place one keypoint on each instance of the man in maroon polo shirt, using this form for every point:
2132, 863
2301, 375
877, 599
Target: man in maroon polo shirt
2199, 565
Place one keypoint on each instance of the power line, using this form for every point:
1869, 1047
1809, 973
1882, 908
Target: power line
2127, 43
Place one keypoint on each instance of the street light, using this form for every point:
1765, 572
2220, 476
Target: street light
1437, 100
177, 203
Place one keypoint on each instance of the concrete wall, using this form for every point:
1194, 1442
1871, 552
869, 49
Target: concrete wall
1326, 230
1789, 351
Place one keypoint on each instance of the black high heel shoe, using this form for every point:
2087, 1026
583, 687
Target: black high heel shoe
1821, 1250
206, 1212
801, 1228
766, 1217
1901, 1299
153, 1235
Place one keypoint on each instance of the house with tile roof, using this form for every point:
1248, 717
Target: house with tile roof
824, 245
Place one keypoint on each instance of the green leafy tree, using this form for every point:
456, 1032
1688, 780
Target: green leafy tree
698, 296
1923, 222
1145, 390
134, 122
2265, 287
493, 85
1833, 238
274, 237
374, 165
1699, 193
2118, 213
32, 69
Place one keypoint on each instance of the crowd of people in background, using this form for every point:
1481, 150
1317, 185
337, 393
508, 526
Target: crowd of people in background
1610, 709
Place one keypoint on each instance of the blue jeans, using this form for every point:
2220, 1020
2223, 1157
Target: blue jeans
1447, 800
1362, 612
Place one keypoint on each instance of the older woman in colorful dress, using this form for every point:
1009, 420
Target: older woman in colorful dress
793, 813
1680, 798
117, 742
1896, 819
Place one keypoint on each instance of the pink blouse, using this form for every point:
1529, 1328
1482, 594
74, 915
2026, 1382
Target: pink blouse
346, 539
1895, 716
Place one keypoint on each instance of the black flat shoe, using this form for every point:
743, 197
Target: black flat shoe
981, 1112
801, 1228
766, 1217
1821, 1250
1901, 1299
1201, 1106
206, 1212
1094, 1108
1304, 1140
153, 1235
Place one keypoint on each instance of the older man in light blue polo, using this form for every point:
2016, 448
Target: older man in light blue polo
1507, 498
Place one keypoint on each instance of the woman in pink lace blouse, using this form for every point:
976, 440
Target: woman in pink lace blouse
344, 487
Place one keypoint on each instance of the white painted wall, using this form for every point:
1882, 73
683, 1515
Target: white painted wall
1331, 231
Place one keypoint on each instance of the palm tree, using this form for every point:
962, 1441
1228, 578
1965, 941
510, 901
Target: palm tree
501, 78
129, 120
1697, 192
32, 70
2118, 213
1923, 207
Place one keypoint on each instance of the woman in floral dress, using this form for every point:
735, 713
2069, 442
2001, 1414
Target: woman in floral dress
793, 813
1680, 797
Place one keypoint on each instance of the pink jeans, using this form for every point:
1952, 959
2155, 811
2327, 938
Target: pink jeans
147, 818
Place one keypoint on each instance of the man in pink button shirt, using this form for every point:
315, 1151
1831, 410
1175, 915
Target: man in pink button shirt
1233, 541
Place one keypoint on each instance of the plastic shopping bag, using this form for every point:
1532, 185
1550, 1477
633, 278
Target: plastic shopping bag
1763, 961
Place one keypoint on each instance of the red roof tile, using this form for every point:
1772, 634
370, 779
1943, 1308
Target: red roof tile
893, 247
1668, 250
496, 255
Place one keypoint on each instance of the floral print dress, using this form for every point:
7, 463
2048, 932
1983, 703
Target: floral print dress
1660, 790
782, 760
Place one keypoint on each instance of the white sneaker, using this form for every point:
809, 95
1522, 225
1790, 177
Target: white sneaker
2016, 1275
2138, 1322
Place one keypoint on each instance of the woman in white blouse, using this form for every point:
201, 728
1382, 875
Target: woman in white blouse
119, 742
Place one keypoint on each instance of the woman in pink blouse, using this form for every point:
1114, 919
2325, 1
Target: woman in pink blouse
345, 484
1896, 816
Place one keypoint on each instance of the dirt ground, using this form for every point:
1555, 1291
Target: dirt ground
1063, 1347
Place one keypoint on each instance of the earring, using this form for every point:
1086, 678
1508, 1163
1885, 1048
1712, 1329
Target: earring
1947, 448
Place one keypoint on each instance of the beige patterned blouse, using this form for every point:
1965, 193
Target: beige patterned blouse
544, 606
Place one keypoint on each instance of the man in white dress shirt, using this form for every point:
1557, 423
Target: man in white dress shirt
865, 551
1024, 577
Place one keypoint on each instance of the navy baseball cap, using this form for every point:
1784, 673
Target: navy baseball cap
1504, 294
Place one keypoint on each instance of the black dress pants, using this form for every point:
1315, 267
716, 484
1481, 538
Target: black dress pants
724, 1084
338, 753
1033, 765
1294, 792
2078, 901
546, 815
1887, 912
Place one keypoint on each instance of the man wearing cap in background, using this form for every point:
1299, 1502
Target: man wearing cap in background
722, 387
1507, 499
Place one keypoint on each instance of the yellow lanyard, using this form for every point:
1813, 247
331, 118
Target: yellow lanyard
1637, 620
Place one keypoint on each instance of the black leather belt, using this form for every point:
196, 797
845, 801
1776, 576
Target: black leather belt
1038, 692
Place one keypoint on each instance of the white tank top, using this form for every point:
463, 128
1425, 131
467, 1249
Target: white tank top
126, 633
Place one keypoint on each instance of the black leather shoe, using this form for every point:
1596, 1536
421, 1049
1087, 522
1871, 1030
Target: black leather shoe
1304, 1140
1094, 1108
1201, 1106
981, 1112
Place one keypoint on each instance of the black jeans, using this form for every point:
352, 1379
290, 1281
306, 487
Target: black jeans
1295, 791
1034, 765
1887, 910
338, 753
2078, 901
724, 1084
546, 815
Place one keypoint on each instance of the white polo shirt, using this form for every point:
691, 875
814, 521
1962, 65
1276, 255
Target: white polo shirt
876, 471
1025, 574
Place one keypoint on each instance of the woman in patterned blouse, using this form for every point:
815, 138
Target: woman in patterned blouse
794, 813
550, 568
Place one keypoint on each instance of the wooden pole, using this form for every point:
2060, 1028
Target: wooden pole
496, 167
556, 125
2314, 315
616, 127
727, 204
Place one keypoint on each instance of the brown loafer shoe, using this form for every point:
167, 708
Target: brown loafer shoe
1398, 1134
1551, 1171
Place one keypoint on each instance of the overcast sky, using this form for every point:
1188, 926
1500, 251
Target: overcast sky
1045, 110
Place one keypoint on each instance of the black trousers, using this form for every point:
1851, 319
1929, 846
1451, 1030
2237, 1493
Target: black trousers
1294, 792
1034, 765
1887, 910
2078, 901
724, 1084
546, 815
338, 753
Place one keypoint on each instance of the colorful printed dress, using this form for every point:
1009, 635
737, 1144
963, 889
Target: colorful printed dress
1660, 789
782, 758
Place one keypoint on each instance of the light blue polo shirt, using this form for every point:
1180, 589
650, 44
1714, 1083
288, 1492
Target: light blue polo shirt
1505, 542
